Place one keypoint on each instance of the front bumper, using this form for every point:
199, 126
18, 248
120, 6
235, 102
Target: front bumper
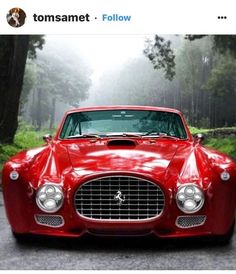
70, 228
22, 213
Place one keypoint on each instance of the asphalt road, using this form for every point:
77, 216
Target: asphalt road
111, 254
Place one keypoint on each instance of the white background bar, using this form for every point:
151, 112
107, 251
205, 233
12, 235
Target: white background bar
147, 16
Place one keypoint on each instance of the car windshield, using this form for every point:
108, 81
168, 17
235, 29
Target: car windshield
123, 122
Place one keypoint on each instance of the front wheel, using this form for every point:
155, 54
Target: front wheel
21, 238
225, 239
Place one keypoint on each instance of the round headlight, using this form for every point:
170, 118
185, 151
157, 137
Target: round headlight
189, 198
49, 198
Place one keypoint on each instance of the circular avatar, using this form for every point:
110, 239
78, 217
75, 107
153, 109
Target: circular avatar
16, 17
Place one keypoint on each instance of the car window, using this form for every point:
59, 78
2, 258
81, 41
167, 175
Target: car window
129, 121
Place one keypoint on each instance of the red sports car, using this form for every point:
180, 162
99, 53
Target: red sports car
121, 170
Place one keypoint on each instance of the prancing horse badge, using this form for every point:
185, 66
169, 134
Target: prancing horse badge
119, 197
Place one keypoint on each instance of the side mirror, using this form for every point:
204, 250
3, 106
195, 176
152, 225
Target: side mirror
199, 138
47, 138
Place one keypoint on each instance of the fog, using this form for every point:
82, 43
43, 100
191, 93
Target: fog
102, 53
87, 70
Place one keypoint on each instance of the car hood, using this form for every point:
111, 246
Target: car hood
141, 157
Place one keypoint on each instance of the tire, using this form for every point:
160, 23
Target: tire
225, 239
21, 238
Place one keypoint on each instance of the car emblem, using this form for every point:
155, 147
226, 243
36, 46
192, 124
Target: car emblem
119, 197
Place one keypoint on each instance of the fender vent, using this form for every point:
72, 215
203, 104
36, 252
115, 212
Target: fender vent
190, 221
49, 220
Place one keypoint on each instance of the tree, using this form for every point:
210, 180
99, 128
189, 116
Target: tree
222, 80
204, 78
203, 87
12, 59
53, 77
13, 55
194, 63
222, 85
221, 43
160, 53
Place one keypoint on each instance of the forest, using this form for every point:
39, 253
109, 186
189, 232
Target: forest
199, 80
43, 76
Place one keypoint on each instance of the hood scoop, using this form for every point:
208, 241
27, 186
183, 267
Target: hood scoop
121, 143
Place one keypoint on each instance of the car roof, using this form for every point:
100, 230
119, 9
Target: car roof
128, 107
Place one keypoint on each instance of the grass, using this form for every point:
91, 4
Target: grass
27, 138
24, 139
195, 130
225, 145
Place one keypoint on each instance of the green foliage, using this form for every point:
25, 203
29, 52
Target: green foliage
161, 55
25, 138
225, 145
57, 75
221, 143
204, 86
194, 130
222, 80
222, 43
35, 42
28, 84
7, 151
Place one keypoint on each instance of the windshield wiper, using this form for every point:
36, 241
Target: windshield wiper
123, 134
149, 133
169, 137
160, 135
83, 136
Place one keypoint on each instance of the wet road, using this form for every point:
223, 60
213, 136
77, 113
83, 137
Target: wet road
109, 253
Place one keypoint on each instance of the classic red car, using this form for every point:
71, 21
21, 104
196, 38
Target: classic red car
121, 170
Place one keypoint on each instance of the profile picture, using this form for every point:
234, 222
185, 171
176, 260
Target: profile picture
16, 17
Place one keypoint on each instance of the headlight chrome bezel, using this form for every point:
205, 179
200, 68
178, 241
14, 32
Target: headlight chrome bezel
190, 198
42, 190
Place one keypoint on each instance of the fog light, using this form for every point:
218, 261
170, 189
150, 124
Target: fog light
14, 175
49, 198
189, 198
225, 176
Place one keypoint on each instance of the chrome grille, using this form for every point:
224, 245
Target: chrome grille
49, 220
142, 199
190, 221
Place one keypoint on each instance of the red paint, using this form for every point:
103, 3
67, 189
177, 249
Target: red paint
166, 162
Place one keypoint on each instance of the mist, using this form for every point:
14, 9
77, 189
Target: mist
87, 70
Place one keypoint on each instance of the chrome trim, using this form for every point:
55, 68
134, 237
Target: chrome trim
202, 201
37, 192
194, 217
43, 215
111, 199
